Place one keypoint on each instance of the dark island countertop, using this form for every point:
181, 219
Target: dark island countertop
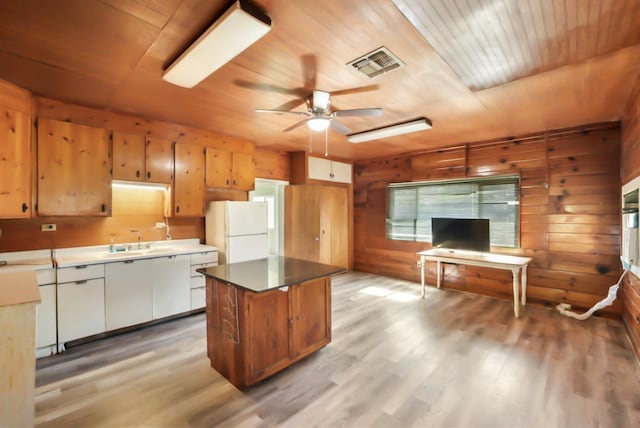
270, 273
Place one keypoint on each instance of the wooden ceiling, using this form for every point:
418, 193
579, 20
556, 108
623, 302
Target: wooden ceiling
490, 71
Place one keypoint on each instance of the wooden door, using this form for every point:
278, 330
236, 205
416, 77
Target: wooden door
302, 222
311, 316
267, 333
243, 171
74, 169
128, 157
334, 226
188, 189
159, 160
218, 167
15, 164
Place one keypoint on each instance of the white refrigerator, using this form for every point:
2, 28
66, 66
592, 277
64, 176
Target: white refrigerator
238, 229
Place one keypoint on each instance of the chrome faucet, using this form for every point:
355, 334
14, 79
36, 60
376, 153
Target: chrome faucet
139, 237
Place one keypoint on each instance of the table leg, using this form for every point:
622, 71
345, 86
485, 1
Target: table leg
422, 260
516, 292
524, 285
438, 273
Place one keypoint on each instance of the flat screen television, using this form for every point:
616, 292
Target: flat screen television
460, 233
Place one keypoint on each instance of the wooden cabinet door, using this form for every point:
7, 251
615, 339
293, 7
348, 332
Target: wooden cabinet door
218, 164
188, 188
302, 222
334, 226
159, 160
74, 169
128, 157
267, 333
15, 164
310, 316
243, 171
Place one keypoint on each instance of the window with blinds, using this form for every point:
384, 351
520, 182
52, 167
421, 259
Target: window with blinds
410, 207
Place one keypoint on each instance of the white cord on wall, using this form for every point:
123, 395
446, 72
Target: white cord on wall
563, 308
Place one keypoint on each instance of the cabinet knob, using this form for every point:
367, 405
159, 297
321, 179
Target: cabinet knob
103, 208
177, 208
235, 182
316, 238
148, 174
138, 173
25, 207
227, 181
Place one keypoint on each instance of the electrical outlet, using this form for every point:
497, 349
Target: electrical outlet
48, 227
161, 225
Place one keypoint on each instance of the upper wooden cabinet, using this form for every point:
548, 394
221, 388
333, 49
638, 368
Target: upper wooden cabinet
229, 170
74, 169
139, 158
15, 164
188, 186
311, 169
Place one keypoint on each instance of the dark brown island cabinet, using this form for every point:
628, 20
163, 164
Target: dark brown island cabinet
264, 315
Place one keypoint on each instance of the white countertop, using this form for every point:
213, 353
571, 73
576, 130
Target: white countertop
76, 256
26, 260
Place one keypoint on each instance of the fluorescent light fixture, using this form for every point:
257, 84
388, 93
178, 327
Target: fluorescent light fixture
391, 131
140, 186
239, 27
318, 123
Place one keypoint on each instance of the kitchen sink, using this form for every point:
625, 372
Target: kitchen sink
135, 252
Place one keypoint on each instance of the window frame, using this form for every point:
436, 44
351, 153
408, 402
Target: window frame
475, 181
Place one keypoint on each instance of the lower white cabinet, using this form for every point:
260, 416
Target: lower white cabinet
80, 309
171, 285
128, 293
199, 261
46, 320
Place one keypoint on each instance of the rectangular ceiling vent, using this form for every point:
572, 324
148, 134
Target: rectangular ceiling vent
377, 62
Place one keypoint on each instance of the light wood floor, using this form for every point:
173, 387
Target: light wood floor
453, 359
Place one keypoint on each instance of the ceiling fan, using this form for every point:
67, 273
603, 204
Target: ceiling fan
319, 115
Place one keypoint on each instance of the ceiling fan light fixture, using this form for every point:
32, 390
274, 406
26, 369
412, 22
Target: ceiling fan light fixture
318, 123
391, 131
238, 28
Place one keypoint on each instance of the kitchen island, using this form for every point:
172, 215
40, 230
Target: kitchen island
264, 315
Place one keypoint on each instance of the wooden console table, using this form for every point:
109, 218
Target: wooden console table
517, 265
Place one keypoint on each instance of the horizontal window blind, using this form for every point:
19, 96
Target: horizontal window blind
410, 207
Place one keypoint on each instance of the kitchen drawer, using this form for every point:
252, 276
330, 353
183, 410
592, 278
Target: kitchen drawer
205, 257
197, 281
80, 273
200, 266
46, 276
198, 299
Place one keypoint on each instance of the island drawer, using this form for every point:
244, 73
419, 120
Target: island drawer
206, 257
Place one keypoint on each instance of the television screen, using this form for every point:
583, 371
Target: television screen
460, 233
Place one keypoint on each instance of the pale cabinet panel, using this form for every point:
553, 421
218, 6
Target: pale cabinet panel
128, 293
46, 317
159, 160
15, 164
128, 156
329, 170
171, 279
80, 309
188, 188
74, 169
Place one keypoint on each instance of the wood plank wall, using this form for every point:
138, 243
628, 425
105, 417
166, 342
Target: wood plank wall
630, 169
25, 234
570, 213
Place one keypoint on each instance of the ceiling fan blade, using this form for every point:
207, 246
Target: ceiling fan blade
338, 126
309, 71
290, 105
358, 112
356, 90
321, 99
298, 113
299, 92
295, 125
